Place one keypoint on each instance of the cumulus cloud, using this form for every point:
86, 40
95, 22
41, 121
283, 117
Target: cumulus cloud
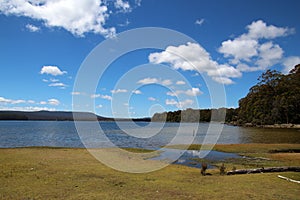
43, 102
123, 6
270, 54
136, 92
259, 29
60, 85
107, 97
250, 51
193, 92
190, 92
179, 104
31, 102
193, 57
171, 102
138, 2
118, 91
149, 80
32, 28
52, 70
180, 83
289, 63
57, 85
27, 108
7, 101
53, 102
76, 16
223, 80
239, 49
4, 100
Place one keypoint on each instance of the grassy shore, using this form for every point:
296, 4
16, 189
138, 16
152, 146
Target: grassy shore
59, 173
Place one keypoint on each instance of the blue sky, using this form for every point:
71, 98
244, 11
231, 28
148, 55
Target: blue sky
44, 42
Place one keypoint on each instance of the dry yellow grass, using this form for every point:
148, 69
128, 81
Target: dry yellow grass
50, 173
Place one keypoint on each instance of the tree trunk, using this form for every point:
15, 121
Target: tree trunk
264, 170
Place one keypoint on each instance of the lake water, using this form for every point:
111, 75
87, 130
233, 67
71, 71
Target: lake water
64, 134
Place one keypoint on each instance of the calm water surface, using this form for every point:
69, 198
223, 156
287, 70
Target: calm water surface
64, 134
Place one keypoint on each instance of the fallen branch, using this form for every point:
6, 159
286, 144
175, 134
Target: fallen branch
264, 170
288, 179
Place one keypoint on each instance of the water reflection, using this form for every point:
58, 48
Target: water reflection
191, 157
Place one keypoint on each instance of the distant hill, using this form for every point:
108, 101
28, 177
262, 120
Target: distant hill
59, 116
50, 115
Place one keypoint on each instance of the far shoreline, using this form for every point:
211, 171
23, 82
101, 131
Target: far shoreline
275, 126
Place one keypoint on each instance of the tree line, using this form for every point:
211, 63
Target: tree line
275, 99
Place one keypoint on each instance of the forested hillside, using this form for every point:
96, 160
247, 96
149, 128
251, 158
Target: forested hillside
275, 99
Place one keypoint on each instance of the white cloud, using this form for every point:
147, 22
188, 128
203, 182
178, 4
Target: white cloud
181, 104
11, 101
199, 21
259, 29
118, 91
107, 97
173, 94
136, 92
225, 71
190, 92
166, 82
193, 57
27, 108
248, 52
43, 102
185, 103
32, 28
171, 102
94, 96
61, 85
239, 49
6, 101
151, 99
53, 102
223, 80
269, 54
76, 16
193, 92
289, 63
180, 83
149, 80
99, 106
123, 6
52, 70
138, 2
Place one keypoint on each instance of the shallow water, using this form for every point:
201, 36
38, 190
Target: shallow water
187, 157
